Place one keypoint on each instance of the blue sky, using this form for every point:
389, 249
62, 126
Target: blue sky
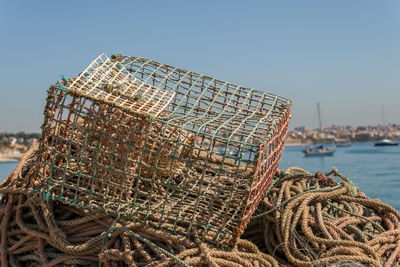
343, 53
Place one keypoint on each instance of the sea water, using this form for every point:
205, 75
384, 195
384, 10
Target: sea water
6, 168
374, 170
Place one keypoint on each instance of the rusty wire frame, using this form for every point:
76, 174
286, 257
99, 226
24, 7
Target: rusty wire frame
198, 166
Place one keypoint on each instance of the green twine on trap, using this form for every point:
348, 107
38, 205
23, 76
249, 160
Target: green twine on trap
107, 234
63, 83
64, 78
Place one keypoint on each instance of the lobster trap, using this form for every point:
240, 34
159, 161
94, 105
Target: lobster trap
162, 146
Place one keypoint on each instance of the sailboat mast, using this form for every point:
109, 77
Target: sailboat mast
319, 117
383, 115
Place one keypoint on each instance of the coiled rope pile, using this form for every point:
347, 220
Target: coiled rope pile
304, 220
38, 232
312, 220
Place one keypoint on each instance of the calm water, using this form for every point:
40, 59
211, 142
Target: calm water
6, 168
375, 170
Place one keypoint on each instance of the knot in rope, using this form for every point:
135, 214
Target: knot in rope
324, 180
116, 57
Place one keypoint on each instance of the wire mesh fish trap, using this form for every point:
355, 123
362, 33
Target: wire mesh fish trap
160, 145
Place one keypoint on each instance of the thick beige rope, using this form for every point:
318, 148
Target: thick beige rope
48, 233
312, 220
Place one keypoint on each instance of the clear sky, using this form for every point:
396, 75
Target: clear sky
343, 53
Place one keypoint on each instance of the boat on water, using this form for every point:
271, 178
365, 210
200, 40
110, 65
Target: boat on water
319, 151
386, 142
346, 144
342, 142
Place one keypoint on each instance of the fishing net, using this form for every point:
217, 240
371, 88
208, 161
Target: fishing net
162, 146
304, 220
314, 220
39, 232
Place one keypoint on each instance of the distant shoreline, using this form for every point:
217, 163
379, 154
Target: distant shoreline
9, 158
297, 144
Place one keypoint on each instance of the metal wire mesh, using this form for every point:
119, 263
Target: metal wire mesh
110, 82
196, 164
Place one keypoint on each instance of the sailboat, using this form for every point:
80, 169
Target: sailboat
320, 150
342, 142
386, 141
